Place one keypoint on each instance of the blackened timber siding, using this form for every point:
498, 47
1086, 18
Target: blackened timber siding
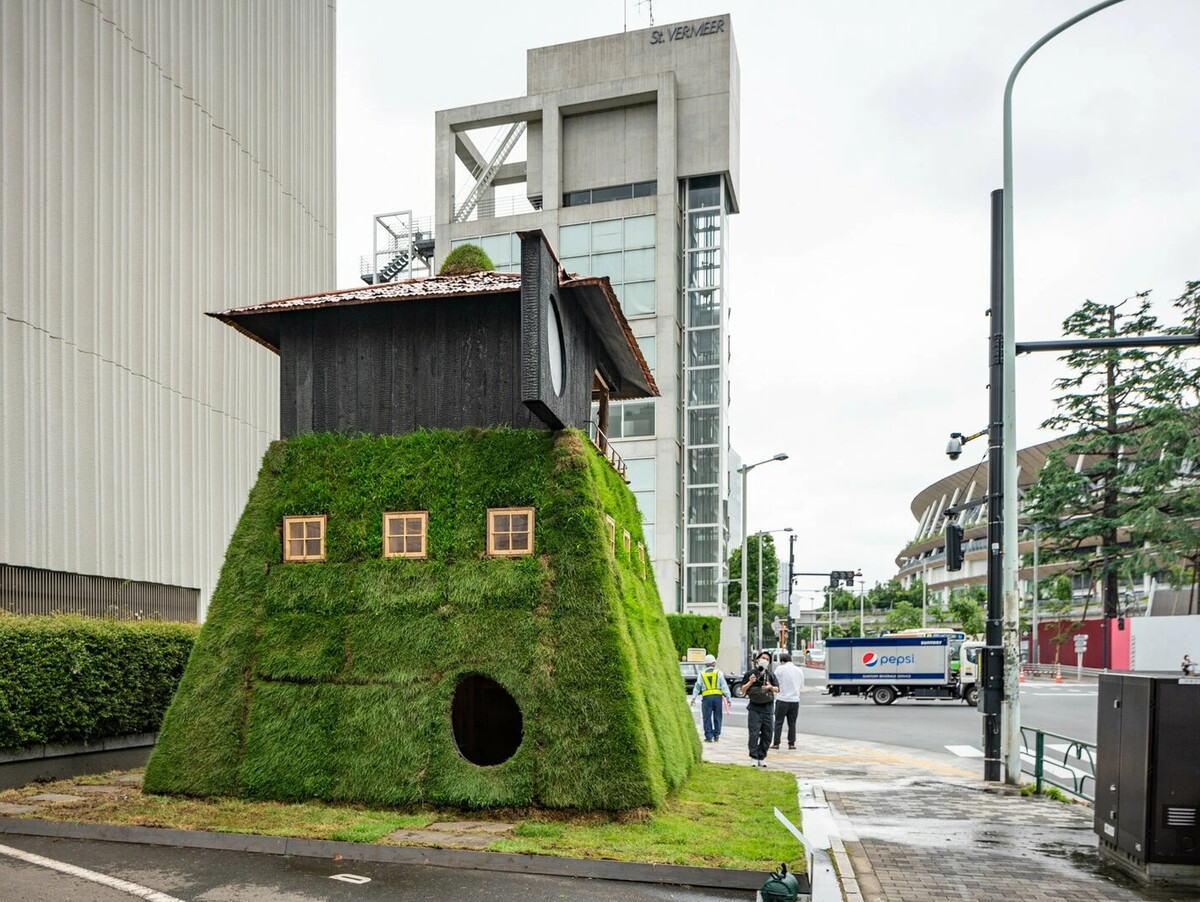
438, 363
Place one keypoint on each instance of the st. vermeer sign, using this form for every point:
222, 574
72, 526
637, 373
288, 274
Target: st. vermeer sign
684, 32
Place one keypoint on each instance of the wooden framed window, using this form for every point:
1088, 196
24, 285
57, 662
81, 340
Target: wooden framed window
404, 534
612, 533
641, 556
628, 539
510, 531
304, 538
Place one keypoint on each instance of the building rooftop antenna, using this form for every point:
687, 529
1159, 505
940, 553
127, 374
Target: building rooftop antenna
649, 4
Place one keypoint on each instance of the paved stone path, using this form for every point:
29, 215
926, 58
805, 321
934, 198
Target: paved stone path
921, 827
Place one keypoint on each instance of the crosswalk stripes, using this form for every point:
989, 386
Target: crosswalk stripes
965, 751
1056, 769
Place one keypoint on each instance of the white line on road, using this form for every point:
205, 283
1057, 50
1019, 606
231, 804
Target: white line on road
965, 751
134, 889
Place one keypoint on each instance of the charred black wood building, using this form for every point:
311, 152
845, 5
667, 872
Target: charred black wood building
484, 349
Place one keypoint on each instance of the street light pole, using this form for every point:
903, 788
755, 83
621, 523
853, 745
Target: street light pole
745, 595
1011, 718
1037, 591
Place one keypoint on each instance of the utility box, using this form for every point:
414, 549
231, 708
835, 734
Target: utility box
991, 679
1147, 788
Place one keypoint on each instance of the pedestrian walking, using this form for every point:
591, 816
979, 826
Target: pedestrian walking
787, 703
1188, 667
760, 687
713, 692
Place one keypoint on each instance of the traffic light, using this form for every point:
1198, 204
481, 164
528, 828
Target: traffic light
837, 577
954, 549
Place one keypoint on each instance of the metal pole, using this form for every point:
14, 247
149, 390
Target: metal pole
996, 472
745, 617
1012, 712
861, 611
924, 592
1037, 591
760, 632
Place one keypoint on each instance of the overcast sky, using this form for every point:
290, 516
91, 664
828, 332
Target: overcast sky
871, 138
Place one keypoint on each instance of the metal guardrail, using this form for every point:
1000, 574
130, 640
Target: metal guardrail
1069, 764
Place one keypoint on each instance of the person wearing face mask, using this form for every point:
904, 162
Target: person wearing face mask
759, 687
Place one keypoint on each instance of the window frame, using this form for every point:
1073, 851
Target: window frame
406, 555
628, 539
492, 550
612, 533
305, 558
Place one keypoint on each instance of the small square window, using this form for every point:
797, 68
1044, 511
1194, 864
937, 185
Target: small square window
628, 539
304, 538
612, 533
510, 531
404, 534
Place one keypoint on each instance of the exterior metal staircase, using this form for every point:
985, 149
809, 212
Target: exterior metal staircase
484, 179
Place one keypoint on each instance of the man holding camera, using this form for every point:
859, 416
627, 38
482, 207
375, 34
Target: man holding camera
760, 687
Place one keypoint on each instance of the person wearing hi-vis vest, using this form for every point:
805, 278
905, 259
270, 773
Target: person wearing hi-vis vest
713, 692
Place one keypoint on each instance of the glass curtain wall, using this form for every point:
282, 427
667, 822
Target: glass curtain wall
704, 240
623, 250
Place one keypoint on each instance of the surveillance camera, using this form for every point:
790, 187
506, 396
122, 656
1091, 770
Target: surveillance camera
954, 447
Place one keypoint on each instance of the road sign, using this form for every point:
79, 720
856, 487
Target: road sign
775, 626
1081, 643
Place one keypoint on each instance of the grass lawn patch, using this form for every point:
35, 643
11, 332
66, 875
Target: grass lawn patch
721, 817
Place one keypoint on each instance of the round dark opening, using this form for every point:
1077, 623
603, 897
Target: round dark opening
486, 721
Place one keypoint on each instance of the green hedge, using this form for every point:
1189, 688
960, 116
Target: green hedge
67, 679
694, 631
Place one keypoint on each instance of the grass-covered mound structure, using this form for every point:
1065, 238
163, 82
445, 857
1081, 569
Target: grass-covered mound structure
340, 680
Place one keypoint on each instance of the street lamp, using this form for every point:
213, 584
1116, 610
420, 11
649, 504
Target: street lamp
1004, 434
759, 535
745, 620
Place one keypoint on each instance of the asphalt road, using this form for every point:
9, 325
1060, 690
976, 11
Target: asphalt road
1068, 708
192, 875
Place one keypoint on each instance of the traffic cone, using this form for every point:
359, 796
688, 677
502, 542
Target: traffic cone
1057, 673
1021, 675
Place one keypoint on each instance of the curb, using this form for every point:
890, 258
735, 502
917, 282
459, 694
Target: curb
851, 891
545, 865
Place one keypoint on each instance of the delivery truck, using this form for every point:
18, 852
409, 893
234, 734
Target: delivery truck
886, 668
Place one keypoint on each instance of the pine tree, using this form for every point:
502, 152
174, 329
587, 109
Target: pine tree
1116, 497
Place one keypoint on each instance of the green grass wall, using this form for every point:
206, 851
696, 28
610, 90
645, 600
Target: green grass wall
334, 680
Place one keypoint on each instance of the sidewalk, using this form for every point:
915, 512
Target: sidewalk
912, 826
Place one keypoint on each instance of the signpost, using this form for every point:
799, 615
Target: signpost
1080, 648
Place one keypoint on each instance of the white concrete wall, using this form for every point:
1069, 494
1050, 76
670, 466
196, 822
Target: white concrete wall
609, 147
156, 162
1159, 643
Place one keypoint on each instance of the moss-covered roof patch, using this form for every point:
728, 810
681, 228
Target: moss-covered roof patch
466, 258
335, 680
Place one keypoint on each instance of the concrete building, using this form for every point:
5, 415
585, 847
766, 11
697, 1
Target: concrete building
156, 162
624, 151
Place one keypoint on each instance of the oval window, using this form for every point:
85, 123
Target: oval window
557, 352
485, 720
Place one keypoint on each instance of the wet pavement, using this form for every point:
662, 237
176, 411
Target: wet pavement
914, 826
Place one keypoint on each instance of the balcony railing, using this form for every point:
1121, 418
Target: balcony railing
606, 449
